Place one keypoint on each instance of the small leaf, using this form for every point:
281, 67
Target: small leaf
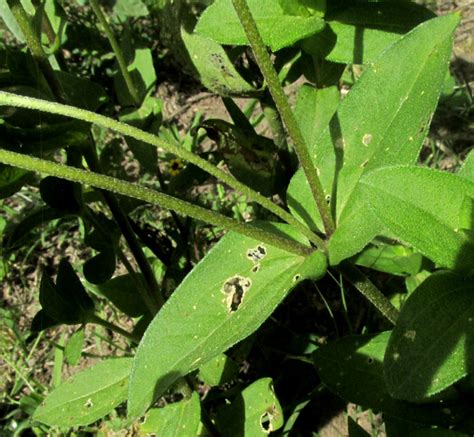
87, 396
122, 292
12, 180
221, 23
423, 208
432, 344
217, 371
178, 419
390, 258
67, 301
352, 368
60, 194
255, 412
10, 21
467, 169
73, 349
225, 298
101, 267
213, 66
357, 34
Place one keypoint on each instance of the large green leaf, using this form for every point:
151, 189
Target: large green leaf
359, 33
215, 70
382, 121
87, 396
255, 412
225, 298
352, 367
432, 345
221, 23
178, 419
431, 210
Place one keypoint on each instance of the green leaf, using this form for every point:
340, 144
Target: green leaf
67, 301
87, 396
178, 419
9, 20
101, 267
431, 210
467, 169
213, 66
217, 371
122, 292
303, 8
352, 367
390, 258
225, 298
12, 179
359, 33
61, 194
432, 344
255, 412
221, 23
130, 9
398, 103
81, 92
73, 349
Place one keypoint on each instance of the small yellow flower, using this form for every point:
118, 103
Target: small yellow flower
176, 165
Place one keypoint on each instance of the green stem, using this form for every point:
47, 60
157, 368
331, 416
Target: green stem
370, 291
94, 318
10, 99
137, 191
117, 51
281, 101
36, 49
154, 299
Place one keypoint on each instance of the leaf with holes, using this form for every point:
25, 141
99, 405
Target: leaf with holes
87, 396
177, 419
254, 412
398, 94
225, 298
432, 345
431, 210
221, 23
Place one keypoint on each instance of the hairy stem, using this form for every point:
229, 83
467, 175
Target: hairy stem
10, 99
369, 291
281, 101
117, 51
137, 191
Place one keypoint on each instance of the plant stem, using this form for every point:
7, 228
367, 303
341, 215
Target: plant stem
154, 299
36, 49
94, 318
10, 99
117, 51
370, 291
137, 191
281, 101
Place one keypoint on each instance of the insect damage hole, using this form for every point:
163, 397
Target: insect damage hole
267, 418
234, 290
257, 254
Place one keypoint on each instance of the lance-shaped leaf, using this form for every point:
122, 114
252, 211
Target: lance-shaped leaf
221, 23
431, 210
432, 345
212, 64
225, 298
382, 121
87, 396
359, 33
467, 169
352, 367
178, 419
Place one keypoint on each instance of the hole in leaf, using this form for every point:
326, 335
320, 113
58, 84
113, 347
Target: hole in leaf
256, 268
370, 360
89, 403
257, 254
234, 290
267, 418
